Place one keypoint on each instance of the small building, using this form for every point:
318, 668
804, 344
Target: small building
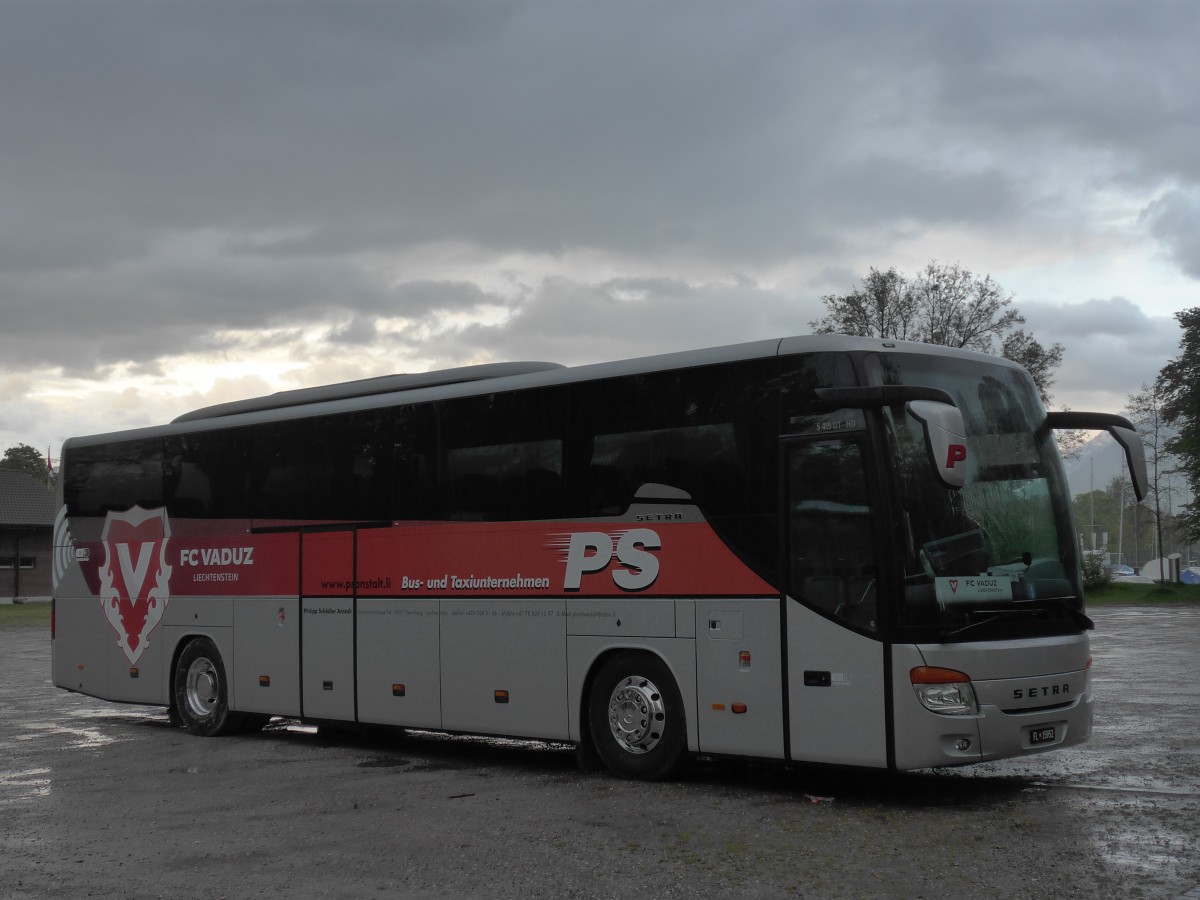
27, 511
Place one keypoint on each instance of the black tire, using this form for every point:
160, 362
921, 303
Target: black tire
201, 694
635, 713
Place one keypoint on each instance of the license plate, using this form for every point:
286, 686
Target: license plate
1042, 736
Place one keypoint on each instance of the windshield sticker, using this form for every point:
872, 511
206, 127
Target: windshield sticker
972, 589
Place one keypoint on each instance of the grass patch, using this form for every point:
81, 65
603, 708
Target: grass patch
1124, 594
24, 614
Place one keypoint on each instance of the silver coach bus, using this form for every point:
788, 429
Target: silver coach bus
821, 549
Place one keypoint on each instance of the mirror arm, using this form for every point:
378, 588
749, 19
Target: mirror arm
1122, 431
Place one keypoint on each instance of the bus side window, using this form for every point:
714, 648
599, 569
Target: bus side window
114, 477
323, 469
414, 463
205, 474
502, 456
832, 554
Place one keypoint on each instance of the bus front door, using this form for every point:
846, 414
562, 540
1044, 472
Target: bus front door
835, 661
327, 601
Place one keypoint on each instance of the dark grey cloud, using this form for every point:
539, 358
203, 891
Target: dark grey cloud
1111, 346
359, 331
1115, 316
537, 126
174, 302
224, 177
575, 323
1174, 219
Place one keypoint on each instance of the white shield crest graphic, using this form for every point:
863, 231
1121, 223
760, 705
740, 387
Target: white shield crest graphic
134, 580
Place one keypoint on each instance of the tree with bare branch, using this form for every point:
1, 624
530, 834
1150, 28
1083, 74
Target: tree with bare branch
944, 304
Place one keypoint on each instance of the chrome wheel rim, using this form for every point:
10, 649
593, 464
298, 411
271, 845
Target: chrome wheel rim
637, 714
202, 687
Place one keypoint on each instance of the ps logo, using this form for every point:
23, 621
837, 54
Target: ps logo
591, 551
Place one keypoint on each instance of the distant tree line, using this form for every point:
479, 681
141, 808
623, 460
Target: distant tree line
24, 458
1166, 413
1178, 386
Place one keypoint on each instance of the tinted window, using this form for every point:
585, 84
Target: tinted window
832, 552
710, 431
207, 474
114, 477
502, 456
322, 469
415, 463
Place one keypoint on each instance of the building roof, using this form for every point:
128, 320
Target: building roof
25, 502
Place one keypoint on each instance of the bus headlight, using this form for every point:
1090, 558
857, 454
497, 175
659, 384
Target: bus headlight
944, 691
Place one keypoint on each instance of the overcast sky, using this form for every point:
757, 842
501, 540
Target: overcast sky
201, 202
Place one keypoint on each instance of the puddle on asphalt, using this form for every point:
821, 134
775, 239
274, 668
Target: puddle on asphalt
116, 713
75, 738
86, 728
1143, 851
27, 784
1156, 850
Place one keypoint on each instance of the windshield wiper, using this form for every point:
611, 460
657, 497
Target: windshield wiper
1064, 603
1026, 609
992, 616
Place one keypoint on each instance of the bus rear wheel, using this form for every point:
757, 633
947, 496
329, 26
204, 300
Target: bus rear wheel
635, 713
201, 695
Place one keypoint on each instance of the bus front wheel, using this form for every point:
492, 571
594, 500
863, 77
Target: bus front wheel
201, 695
635, 713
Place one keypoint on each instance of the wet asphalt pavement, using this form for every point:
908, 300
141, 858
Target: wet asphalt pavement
103, 800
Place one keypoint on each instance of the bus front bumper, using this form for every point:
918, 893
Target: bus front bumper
928, 740
1020, 732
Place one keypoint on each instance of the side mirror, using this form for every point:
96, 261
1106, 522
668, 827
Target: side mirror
945, 439
1122, 431
941, 420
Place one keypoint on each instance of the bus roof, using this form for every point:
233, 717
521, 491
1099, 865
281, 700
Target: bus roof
367, 387
468, 380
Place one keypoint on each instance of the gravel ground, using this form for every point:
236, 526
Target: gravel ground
103, 800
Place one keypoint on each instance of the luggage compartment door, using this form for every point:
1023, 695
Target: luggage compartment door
327, 610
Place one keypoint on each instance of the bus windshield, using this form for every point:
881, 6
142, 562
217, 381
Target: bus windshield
996, 558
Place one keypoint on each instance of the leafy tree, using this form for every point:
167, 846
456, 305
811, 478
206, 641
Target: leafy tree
884, 307
944, 304
1021, 347
1179, 382
1095, 571
26, 459
1146, 410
